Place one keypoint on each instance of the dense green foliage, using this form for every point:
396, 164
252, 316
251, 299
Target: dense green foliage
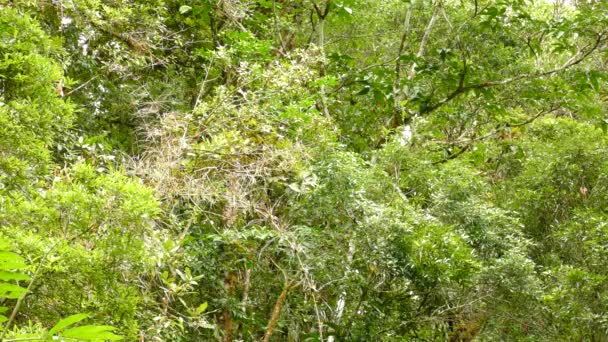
304, 170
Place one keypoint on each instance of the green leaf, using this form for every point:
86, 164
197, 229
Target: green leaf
6, 256
184, 9
265, 3
66, 322
201, 308
364, 91
294, 187
5, 276
92, 332
11, 291
12, 265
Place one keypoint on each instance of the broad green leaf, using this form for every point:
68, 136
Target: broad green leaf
92, 332
11, 291
66, 322
6, 256
5, 276
12, 265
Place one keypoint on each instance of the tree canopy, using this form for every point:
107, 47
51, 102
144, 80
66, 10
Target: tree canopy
304, 170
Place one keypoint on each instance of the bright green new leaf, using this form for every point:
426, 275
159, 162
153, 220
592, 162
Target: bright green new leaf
6, 256
6, 276
66, 322
12, 265
92, 332
201, 308
11, 291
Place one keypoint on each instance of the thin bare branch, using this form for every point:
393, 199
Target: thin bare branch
574, 60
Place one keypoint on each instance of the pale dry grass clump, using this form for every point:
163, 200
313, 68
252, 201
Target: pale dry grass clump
231, 152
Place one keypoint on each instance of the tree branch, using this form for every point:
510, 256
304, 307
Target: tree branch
397, 82
469, 142
576, 59
276, 311
425, 37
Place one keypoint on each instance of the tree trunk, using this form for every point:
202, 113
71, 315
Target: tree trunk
276, 311
342, 299
228, 324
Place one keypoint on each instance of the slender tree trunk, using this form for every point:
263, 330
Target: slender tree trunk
398, 119
277, 29
322, 47
244, 300
322, 14
228, 324
321, 37
319, 321
342, 299
397, 95
425, 37
276, 311
246, 286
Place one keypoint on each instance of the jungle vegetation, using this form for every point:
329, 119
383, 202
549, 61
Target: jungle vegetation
303, 170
